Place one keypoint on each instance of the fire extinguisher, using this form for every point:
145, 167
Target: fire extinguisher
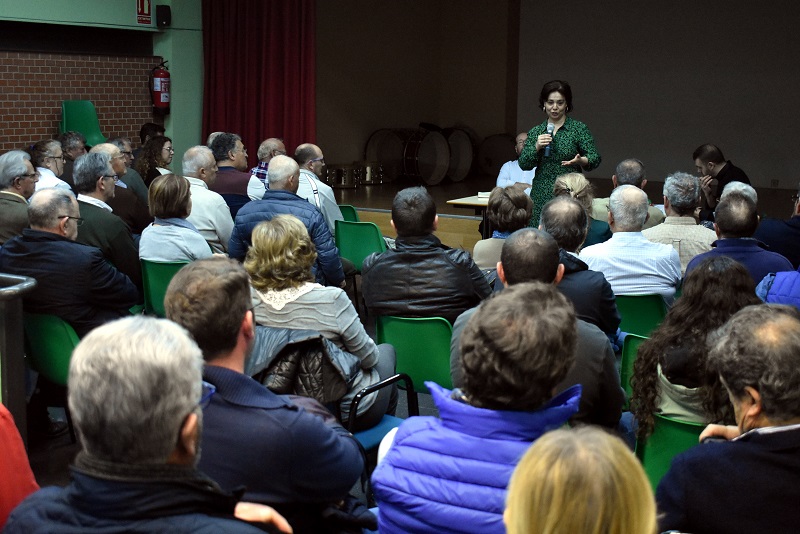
159, 88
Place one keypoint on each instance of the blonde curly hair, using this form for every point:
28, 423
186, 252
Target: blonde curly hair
281, 254
577, 186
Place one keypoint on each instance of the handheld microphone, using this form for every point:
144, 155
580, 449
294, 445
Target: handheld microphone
550, 128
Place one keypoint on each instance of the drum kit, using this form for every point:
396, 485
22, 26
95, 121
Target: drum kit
428, 154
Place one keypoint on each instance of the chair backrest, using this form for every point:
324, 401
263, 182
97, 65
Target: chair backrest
670, 437
422, 346
630, 347
640, 314
49, 341
81, 116
156, 276
357, 240
349, 213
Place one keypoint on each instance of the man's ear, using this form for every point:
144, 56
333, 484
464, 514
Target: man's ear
185, 452
248, 328
647, 218
62, 226
501, 274
435, 223
716, 229
644, 183
614, 180
610, 219
391, 222
559, 274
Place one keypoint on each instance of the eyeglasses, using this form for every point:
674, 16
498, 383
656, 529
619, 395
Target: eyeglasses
61, 157
127, 154
169, 149
33, 175
208, 392
77, 220
795, 197
277, 152
114, 177
121, 155
321, 160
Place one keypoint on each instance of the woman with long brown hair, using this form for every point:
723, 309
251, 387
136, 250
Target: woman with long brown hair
669, 374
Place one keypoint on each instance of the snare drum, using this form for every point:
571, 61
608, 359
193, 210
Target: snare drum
369, 172
342, 176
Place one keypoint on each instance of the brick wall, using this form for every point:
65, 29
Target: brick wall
32, 86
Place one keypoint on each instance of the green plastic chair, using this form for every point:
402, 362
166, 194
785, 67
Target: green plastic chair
640, 314
156, 276
356, 241
670, 437
81, 116
49, 341
349, 213
630, 347
422, 346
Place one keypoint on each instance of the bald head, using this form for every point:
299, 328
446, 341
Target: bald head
736, 216
628, 206
305, 153
566, 220
269, 148
630, 172
115, 157
283, 173
48, 209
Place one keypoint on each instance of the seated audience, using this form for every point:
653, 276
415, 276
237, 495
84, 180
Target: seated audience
783, 237
97, 292
735, 221
581, 480
17, 183
154, 159
565, 219
235, 185
171, 237
632, 264
575, 185
281, 199
125, 203
531, 255
780, 288
628, 172
130, 177
135, 394
311, 161
268, 149
17, 481
715, 174
95, 183
421, 277
680, 229
508, 210
48, 158
669, 376
750, 483
291, 453
73, 145
210, 214
742, 188
511, 174
147, 132
449, 474
279, 264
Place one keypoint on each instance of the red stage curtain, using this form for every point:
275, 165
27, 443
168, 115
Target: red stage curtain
260, 75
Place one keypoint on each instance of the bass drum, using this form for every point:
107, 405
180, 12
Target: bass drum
342, 176
386, 147
494, 152
426, 156
462, 153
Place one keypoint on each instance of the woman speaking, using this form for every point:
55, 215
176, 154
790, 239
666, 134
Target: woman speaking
557, 146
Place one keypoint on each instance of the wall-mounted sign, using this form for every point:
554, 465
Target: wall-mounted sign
143, 14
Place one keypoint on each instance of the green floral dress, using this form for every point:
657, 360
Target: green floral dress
572, 138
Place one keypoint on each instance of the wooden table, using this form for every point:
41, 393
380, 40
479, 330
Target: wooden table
479, 205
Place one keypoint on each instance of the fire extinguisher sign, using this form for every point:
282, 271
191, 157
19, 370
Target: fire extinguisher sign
143, 12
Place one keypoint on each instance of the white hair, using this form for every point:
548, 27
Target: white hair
628, 204
740, 187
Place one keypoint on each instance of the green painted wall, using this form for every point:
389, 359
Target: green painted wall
181, 44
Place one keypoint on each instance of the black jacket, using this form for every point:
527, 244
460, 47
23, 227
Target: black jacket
590, 293
422, 278
74, 281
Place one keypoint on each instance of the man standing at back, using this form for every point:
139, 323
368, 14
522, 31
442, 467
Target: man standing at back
632, 264
422, 277
628, 172
291, 453
310, 159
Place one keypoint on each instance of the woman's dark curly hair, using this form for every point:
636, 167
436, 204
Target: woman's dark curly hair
150, 158
712, 293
